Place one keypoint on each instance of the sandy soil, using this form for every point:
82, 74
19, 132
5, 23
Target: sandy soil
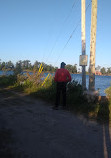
31, 129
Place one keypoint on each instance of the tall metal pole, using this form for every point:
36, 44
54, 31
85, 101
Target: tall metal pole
83, 32
93, 46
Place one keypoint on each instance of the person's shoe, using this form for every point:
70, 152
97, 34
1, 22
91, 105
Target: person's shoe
55, 107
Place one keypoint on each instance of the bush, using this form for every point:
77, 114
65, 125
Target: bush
103, 112
74, 93
48, 92
29, 83
7, 80
108, 92
76, 101
32, 84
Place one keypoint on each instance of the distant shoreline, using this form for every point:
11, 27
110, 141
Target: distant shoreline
52, 72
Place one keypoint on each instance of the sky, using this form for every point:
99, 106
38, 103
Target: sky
40, 29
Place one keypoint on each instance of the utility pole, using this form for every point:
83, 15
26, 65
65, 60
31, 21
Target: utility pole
93, 46
83, 36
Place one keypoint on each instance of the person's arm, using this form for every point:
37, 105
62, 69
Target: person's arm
56, 74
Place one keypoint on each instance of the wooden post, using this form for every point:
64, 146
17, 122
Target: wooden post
93, 46
83, 41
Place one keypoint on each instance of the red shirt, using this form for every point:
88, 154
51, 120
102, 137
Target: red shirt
62, 75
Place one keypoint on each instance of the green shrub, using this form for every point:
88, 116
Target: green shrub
74, 92
103, 112
7, 80
47, 91
29, 83
76, 101
108, 92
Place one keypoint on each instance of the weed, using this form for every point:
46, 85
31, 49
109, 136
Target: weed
7, 80
76, 101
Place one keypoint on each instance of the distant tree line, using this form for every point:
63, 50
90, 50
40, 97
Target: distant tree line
6, 65
26, 65
72, 68
103, 70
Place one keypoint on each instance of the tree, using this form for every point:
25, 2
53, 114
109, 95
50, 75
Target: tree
36, 65
75, 68
18, 68
0, 64
98, 68
25, 64
71, 69
3, 65
9, 65
103, 70
109, 70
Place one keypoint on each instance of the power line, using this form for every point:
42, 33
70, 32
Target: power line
68, 41
72, 34
88, 5
51, 52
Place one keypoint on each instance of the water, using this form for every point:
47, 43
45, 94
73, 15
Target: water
6, 73
101, 82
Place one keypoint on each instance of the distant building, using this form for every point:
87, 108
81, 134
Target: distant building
98, 73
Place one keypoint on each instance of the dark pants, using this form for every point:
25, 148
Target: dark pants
61, 88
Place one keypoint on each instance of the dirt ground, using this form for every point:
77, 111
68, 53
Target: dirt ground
31, 129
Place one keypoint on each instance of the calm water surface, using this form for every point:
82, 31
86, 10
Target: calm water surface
101, 82
6, 73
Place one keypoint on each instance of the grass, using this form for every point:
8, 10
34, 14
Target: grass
76, 101
7, 80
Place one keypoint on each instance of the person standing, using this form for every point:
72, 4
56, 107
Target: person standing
62, 77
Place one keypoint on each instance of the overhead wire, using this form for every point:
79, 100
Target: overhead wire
68, 41
71, 35
70, 38
58, 37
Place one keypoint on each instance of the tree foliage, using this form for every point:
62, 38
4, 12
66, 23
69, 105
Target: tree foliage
103, 70
25, 65
71, 68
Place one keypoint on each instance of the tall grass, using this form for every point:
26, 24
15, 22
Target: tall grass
76, 100
108, 93
32, 84
7, 80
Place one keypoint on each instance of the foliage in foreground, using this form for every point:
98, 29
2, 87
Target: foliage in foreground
7, 80
108, 92
76, 101
75, 97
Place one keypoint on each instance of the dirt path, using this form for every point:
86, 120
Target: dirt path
30, 129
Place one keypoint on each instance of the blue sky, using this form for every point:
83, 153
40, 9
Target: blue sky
39, 30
